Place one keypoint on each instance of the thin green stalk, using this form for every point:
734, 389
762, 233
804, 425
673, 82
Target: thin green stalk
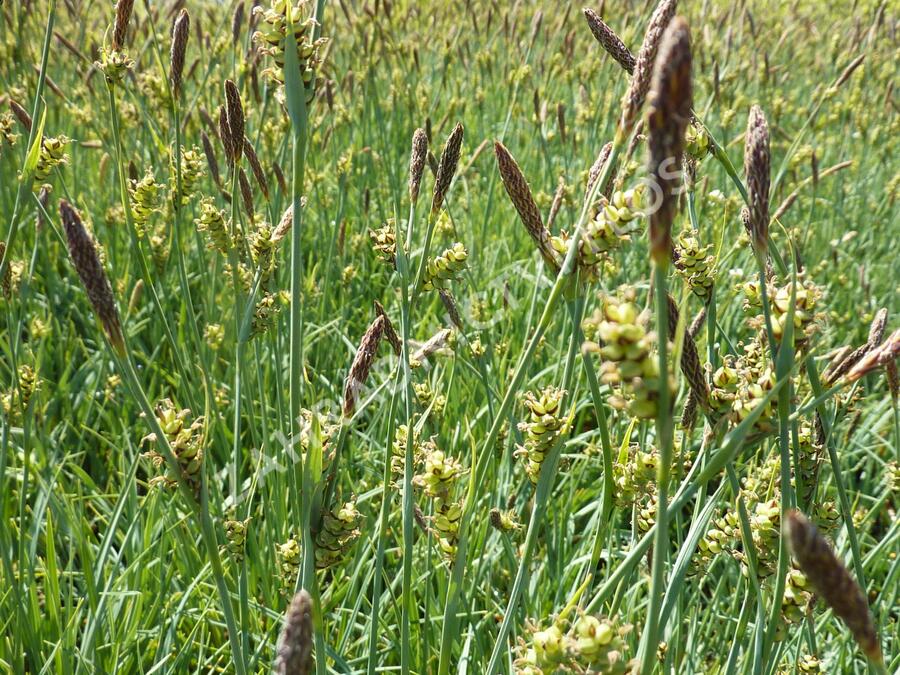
664, 442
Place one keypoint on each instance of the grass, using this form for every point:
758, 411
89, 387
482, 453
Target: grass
449, 520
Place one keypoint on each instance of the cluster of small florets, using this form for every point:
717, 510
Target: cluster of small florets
145, 200
384, 242
437, 479
289, 556
446, 267
191, 172
542, 428
695, 264
273, 34
185, 437
806, 301
588, 644
740, 384
613, 222
114, 64
14, 401
52, 154
236, 538
634, 474
428, 398
340, 530
628, 358
211, 221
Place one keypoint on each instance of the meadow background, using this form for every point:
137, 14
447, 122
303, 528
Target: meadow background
242, 324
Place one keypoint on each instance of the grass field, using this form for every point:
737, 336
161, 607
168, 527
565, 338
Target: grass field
331, 337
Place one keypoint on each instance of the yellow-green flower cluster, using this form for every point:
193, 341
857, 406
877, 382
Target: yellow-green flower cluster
542, 428
15, 400
384, 242
262, 250
145, 200
272, 39
634, 473
265, 314
186, 441
289, 557
191, 172
212, 221
52, 154
627, 357
114, 64
236, 538
427, 397
696, 141
447, 267
439, 476
695, 264
794, 602
589, 644
340, 529
7, 126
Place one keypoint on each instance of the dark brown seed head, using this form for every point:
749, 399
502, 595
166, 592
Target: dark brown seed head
447, 168
362, 365
21, 114
210, 158
179, 45
832, 581
643, 65
234, 112
225, 134
295, 646
417, 163
237, 20
521, 197
690, 358
608, 39
848, 71
123, 14
450, 305
93, 277
256, 167
756, 169
279, 176
246, 193
667, 117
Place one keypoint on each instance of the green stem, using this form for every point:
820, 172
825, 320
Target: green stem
664, 441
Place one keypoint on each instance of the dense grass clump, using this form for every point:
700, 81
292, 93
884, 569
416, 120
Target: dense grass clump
449, 336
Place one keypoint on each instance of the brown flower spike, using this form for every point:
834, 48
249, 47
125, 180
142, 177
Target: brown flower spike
756, 169
362, 365
296, 642
521, 197
179, 44
667, 117
447, 168
234, 114
608, 39
123, 14
83, 253
417, 163
643, 65
832, 581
